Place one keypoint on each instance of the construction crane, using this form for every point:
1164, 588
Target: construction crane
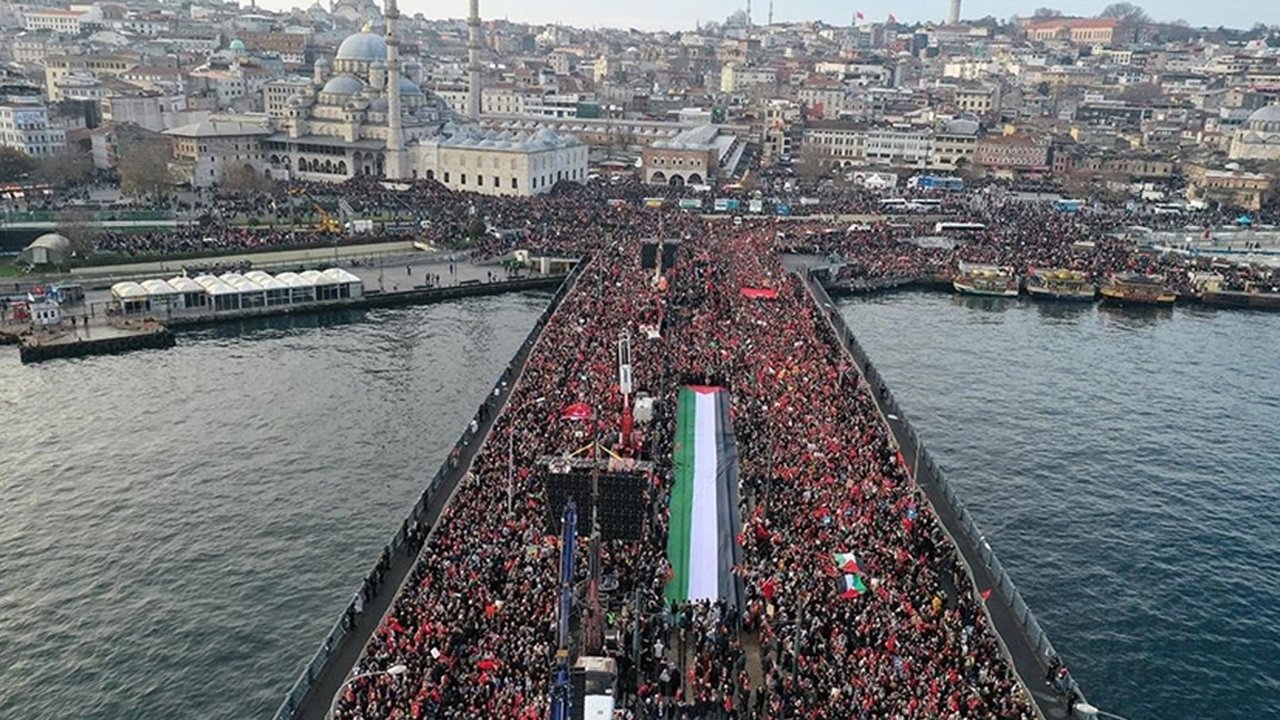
327, 223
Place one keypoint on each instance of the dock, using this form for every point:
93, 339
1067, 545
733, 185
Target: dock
39, 345
103, 334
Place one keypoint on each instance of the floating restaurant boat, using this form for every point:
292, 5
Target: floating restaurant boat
985, 280
1060, 284
1135, 289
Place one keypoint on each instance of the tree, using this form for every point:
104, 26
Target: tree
243, 180
72, 166
144, 166
1126, 13
1046, 12
81, 228
15, 165
813, 163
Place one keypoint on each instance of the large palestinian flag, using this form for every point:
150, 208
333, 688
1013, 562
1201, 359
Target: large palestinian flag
705, 521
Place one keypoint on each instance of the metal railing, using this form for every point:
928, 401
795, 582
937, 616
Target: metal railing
495, 397
1004, 585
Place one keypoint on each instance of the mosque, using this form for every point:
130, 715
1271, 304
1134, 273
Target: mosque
363, 114
1259, 137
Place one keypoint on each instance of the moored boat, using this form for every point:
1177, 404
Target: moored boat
985, 280
1135, 289
1060, 284
1251, 297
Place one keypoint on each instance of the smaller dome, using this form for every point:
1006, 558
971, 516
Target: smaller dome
52, 239
378, 105
237, 45
377, 65
409, 87
323, 61
1268, 114
343, 85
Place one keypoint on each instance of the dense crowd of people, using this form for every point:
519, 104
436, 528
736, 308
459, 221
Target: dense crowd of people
1021, 232
475, 624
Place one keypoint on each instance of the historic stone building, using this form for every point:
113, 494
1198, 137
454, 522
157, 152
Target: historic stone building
1259, 137
363, 114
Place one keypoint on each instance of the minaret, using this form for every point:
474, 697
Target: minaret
395, 160
473, 60
955, 13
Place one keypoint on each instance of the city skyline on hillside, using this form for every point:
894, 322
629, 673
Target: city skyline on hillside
678, 15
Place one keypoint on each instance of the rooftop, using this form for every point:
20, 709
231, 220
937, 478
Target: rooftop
219, 127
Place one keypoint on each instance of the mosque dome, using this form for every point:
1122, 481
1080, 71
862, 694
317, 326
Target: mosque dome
237, 46
363, 46
343, 85
1266, 119
409, 87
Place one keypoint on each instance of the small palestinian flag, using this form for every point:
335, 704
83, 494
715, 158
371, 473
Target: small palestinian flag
846, 563
851, 584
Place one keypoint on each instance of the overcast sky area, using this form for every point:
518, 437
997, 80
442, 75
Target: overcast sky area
684, 14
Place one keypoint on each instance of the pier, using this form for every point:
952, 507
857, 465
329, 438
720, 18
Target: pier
80, 341
93, 327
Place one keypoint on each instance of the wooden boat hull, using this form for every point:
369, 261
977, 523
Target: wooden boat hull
1114, 297
1085, 294
966, 289
1237, 299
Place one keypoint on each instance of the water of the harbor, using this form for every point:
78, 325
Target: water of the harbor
1125, 466
179, 529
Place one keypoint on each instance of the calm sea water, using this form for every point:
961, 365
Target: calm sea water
180, 528
1126, 467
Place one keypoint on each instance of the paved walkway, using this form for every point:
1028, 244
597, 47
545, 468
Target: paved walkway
259, 259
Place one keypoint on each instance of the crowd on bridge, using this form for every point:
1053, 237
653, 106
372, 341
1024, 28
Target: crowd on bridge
475, 624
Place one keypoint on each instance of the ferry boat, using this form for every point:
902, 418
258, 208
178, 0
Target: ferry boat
1252, 297
1135, 289
985, 280
1060, 284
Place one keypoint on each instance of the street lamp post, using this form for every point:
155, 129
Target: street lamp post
394, 670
